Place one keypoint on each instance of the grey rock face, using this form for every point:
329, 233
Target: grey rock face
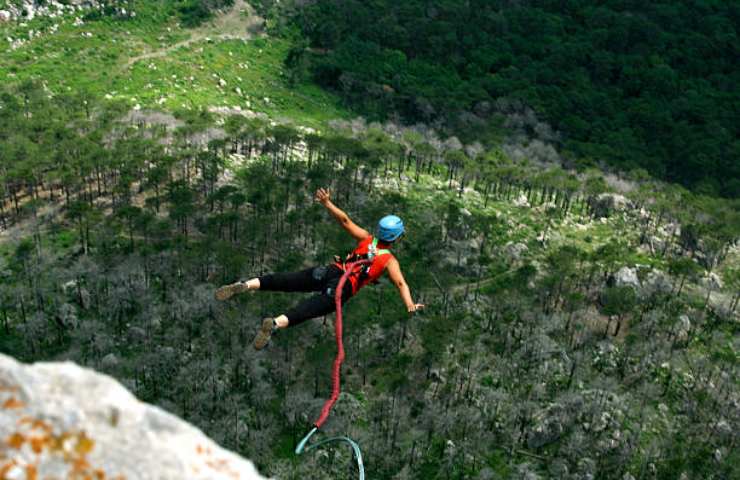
607, 203
30, 9
683, 328
521, 201
627, 276
713, 281
723, 429
546, 430
514, 251
58, 420
656, 243
657, 282
136, 334
110, 360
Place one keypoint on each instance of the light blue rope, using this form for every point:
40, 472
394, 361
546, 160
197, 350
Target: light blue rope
355, 447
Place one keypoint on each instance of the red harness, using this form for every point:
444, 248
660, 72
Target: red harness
371, 249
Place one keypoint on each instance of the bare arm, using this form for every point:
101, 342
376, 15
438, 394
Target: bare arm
394, 271
358, 233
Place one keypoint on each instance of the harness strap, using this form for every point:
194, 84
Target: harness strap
373, 247
352, 258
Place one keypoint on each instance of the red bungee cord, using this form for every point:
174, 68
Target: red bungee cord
336, 372
303, 444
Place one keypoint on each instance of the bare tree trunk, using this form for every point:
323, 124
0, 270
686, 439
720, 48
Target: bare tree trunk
680, 288
709, 294
619, 325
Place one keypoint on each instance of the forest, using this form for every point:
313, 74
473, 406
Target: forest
566, 335
632, 85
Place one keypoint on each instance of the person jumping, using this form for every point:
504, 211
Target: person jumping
325, 278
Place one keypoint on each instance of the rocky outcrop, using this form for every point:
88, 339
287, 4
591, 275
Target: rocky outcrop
58, 420
514, 251
607, 203
656, 282
713, 281
682, 329
627, 276
521, 201
30, 9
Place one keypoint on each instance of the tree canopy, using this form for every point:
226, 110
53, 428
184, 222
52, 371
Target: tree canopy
650, 85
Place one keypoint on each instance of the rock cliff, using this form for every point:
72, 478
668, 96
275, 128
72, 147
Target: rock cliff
61, 421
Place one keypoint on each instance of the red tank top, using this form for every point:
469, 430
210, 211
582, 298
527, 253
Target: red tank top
376, 268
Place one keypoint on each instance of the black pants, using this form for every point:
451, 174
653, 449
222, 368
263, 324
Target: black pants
322, 279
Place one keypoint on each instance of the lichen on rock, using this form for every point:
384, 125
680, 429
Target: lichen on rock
61, 421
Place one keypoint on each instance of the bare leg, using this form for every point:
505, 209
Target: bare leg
281, 321
268, 327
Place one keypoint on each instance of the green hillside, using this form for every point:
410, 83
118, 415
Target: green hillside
650, 85
578, 324
151, 61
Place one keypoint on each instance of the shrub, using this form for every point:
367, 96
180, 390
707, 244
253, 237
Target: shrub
194, 12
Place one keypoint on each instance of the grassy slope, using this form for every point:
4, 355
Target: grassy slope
186, 77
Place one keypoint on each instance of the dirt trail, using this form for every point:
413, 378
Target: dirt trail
226, 26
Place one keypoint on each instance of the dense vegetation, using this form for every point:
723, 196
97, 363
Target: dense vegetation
533, 360
195, 12
650, 85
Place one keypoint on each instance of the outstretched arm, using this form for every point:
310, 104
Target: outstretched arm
394, 271
322, 196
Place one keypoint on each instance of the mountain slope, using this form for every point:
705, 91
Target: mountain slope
578, 324
151, 61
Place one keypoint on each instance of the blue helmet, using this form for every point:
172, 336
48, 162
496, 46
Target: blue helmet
390, 228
